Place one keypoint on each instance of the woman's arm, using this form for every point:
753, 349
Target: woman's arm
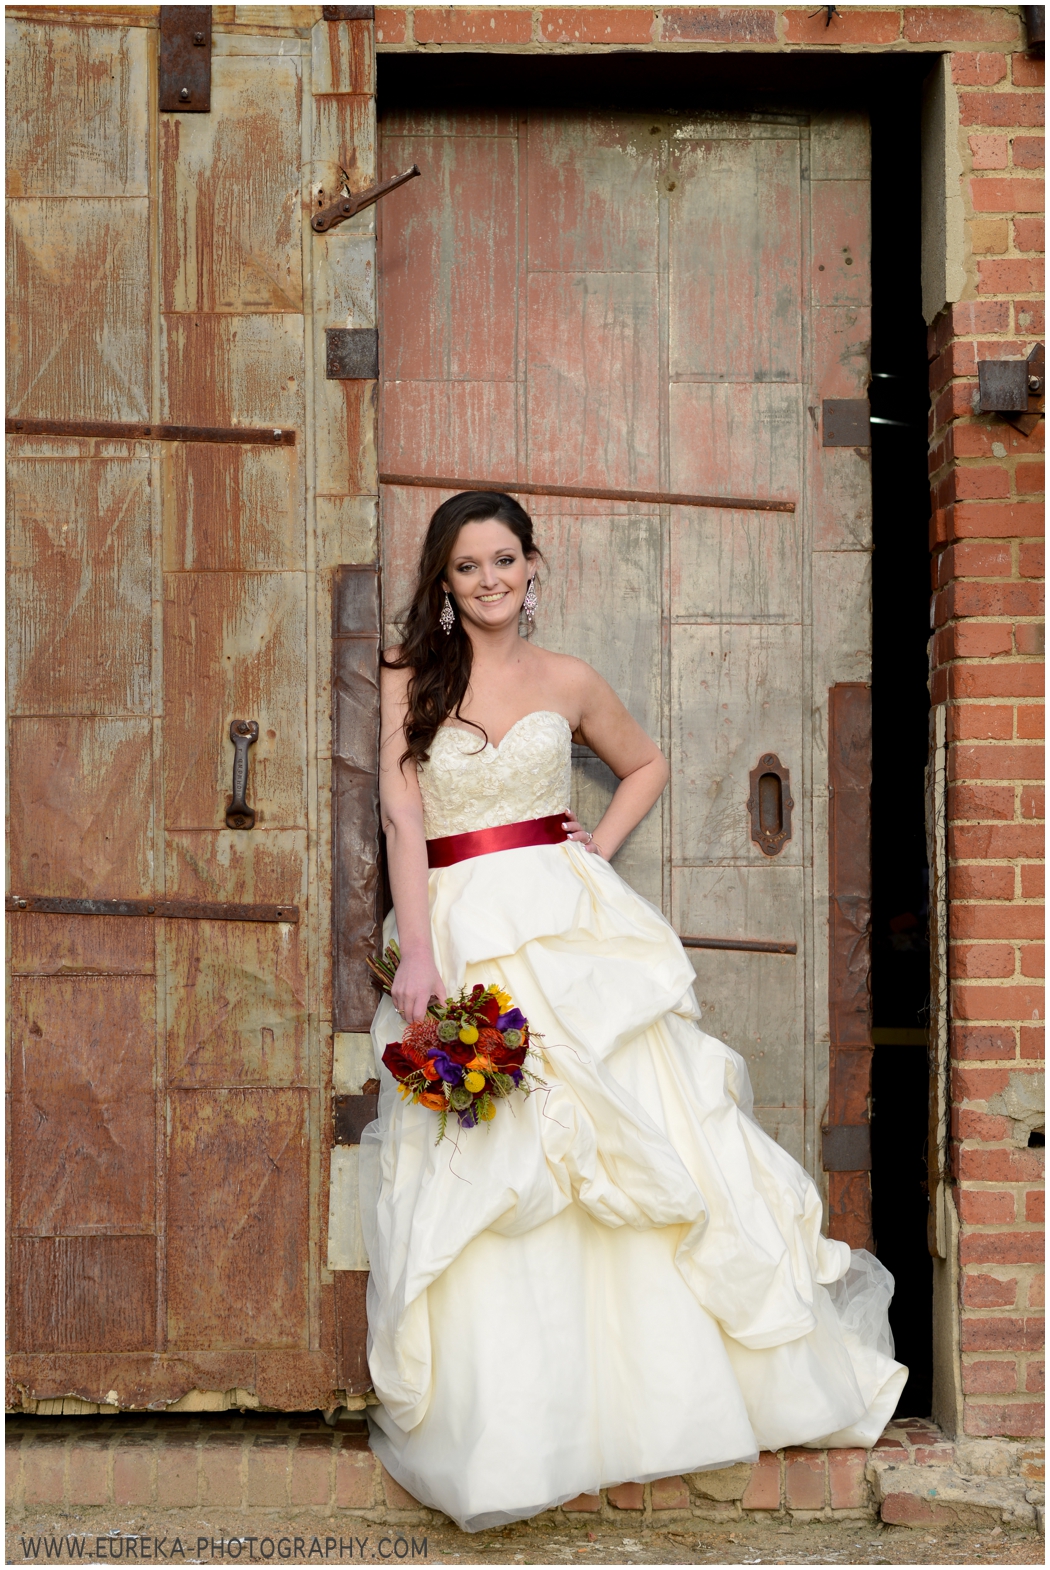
401, 809
607, 728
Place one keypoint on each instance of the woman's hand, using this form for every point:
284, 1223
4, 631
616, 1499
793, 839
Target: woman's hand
416, 981
580, 836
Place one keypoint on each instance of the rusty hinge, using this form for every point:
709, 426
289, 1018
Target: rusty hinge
847, 422
350, 1114
338, 212
134, 430
351, 354
170, 909
846, 1147
185, 59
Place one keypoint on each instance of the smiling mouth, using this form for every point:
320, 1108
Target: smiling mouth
492, 599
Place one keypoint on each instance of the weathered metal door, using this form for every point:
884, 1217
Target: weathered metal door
663, 304
169, 1072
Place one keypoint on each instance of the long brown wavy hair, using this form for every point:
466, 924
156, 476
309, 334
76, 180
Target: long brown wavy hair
440, 662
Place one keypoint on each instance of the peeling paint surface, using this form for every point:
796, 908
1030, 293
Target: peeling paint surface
169, 1081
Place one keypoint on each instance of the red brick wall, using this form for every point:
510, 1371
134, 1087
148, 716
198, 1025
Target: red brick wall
986, 535
986, 538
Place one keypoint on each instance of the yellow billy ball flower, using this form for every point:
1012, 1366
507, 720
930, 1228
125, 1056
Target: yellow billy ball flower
473, 1081
487, 1113
468, 1034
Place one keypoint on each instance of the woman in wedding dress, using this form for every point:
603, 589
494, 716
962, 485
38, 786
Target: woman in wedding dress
620, 1277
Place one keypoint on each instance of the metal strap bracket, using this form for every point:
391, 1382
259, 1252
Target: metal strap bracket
134, 430
185, 59
441, 482
169, 909
746, 945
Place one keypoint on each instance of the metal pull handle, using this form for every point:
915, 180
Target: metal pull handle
770, 804
243, 734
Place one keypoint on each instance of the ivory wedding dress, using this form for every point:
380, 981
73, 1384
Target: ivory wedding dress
621, 1277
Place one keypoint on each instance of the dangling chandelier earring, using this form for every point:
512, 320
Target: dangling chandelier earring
447, 619
528, 604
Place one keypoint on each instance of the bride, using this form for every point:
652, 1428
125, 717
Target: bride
621, 1277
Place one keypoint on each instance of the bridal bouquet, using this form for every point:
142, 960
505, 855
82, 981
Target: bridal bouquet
465, 1056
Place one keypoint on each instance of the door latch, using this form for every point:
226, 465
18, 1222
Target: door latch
338, 212
243, 734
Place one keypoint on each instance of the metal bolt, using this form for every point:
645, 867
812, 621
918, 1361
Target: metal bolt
277, 436
150, 910
184, 95
1035, 384
198, 38
22, 904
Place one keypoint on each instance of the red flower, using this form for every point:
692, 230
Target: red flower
419, 1038
489, 1010
398, 1062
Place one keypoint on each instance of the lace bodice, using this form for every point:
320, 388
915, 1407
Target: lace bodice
466, 786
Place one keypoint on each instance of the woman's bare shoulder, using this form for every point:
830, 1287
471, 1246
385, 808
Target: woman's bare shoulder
571, 675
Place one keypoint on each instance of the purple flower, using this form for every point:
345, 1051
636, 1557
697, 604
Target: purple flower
514, 1019
451, 1073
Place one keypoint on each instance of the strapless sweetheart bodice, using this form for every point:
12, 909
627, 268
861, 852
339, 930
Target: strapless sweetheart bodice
469, 784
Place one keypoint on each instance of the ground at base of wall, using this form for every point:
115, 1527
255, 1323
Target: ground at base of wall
270, 1487
525, 1543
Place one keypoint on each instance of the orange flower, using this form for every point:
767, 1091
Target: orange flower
482, 1064
434, 1099
429, 1071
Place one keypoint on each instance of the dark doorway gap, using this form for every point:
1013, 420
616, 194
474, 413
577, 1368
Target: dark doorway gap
900, 726
889, 88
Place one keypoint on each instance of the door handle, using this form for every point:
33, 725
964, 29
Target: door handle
243, 734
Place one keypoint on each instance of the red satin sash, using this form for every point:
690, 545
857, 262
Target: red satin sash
508, 836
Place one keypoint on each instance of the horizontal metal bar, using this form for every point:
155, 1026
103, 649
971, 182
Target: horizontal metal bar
749, 945
172, 909
441, 482
133, 430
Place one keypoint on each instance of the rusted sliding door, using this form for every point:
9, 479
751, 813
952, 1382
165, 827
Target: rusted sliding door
664, 303
169, 1074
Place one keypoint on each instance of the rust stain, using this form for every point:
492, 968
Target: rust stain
44, 945
238, 1218
77, 124
236, 1005
79, 616
230, 193
82, 1294
81, 806
232, 509
67, 278
83, 1104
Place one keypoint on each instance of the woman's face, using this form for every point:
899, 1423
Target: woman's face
487, 574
